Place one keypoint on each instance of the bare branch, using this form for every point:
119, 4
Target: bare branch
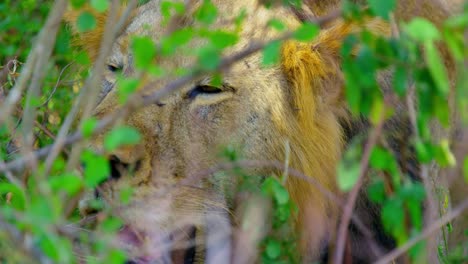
351, 200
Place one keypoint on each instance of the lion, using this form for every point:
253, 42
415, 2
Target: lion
293, 111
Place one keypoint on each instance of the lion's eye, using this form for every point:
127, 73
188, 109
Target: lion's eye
203, 89
113, 68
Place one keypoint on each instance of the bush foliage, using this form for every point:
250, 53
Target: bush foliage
39, 220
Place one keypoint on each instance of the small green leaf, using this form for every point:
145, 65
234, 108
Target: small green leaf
348, 176
78, 3
376, 191
436, 67
349, 167
422, 30
96, 169
144, 51
126, 195
70, 183
17, 197
85, 22
465, 169
100, 5
209, 58
121, 136
280, 193
277, 24
207, 12
444, 155
222, 39
88, 127
306, 32
271, 53
273, 249
382, 8
126, 87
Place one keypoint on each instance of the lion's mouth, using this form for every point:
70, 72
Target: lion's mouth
178, 247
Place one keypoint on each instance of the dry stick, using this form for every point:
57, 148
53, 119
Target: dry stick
430, 213
348, 210
132, 105
64, 129
93, 83
15, 94
426, 233
44, 49
56, 85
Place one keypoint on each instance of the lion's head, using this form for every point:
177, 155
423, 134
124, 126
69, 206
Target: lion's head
261, 112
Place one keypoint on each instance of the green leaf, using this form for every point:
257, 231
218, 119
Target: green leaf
207, 12
465, 169
144, 51
380, 158
349, 167
121, 136
280, 193
423, 151
444, 155
306, 32
85, 22
382, 8
348, 176
209, 58
96, 169
436, 67
88, 127
126, 87
70, 183
271, 53
222, 39
100, 5
17, 197
273, 249
422, 30
126, 194
78, 3
277, 24
376, 191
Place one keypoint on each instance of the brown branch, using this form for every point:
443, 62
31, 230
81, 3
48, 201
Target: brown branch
44, 48
64, 129
112, 28
351, 200
137, 101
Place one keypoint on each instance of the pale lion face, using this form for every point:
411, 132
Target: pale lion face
253, 110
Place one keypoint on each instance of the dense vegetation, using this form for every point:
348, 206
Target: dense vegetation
39, 195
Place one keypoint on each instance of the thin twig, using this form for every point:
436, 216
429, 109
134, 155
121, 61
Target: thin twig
113, 27
64, 129
351, 200
137, 101
44, 48
56, 85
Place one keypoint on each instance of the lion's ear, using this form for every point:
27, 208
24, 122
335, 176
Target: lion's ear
89, 40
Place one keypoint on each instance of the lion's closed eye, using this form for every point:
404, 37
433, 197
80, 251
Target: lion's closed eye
203, 89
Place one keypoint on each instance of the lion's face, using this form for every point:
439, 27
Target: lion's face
255, 110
